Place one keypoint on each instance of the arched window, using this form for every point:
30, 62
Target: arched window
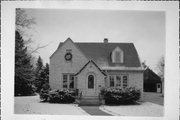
90, 81
117, 55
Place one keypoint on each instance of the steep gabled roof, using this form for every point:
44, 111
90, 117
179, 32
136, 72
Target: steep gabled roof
100, 53
150, 76
90, 61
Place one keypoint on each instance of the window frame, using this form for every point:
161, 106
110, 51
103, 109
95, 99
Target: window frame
114, 55
69, 75
121, 84
111, 80
66, 80
117, 56
89, 86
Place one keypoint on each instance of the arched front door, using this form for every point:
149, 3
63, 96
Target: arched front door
91, 88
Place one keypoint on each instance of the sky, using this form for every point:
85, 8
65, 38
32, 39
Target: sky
146, 29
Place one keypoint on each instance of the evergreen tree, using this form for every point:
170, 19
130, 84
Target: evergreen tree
46, 70
39, 64
42, 74
23, 68
39, 74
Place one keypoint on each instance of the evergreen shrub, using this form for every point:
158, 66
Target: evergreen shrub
121, 95
44, 92
61, 96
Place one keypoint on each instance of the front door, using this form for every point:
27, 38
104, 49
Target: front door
158, 87
91, 90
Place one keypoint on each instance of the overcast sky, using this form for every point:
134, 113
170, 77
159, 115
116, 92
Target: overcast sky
146, 29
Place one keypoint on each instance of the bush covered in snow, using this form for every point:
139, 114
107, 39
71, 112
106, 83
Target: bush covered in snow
44, 92
61, 96
120, 95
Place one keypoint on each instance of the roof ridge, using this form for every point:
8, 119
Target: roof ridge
108, 42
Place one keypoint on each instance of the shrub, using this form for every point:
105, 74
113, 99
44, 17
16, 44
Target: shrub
120, 95
61, 96
44, 92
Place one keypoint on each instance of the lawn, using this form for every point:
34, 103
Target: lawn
151, 105
32, 105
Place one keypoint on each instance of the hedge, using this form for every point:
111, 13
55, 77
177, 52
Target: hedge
121, 95
58, 96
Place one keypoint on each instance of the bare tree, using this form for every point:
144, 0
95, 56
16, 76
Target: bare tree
160, 67
24, 23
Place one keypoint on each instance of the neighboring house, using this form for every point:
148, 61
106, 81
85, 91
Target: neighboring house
152, 82
89, 67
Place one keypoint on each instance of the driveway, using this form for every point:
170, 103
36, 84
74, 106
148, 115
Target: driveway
153, 97
142, 109
32, 105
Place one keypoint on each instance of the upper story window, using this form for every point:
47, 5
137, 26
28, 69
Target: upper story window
117, 55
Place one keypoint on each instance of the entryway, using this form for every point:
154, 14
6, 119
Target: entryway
90, 85
90, 98
159, 88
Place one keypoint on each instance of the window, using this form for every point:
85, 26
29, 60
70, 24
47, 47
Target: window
71, 81
159, 86
118, 80
117, 55
68, 81
111, 78
124, 81
90, 81
65, 81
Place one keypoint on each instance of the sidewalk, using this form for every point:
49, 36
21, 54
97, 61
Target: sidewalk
94, 110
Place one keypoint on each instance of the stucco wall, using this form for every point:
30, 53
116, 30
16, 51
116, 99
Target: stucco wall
82, 79
59, 65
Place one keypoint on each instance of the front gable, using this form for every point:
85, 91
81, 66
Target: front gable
59, 63
82, 77
90, 66
69, 44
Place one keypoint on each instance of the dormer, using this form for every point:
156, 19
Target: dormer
117, 55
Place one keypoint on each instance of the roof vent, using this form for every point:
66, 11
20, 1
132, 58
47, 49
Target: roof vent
105, 40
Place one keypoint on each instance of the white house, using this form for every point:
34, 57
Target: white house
88, 67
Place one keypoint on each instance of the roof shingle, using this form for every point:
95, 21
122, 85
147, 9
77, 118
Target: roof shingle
101, 53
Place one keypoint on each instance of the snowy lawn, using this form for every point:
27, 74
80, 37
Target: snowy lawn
143, 109
32, 105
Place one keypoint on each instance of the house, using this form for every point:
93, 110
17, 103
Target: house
152, 82
89, 67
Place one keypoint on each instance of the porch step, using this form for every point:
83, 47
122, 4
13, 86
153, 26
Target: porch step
89, 101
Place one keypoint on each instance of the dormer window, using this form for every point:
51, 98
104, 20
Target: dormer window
117, 55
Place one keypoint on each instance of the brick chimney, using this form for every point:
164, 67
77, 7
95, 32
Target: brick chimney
105, 40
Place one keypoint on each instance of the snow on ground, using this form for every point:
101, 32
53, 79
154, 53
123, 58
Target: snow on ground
32, 105
144, 109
